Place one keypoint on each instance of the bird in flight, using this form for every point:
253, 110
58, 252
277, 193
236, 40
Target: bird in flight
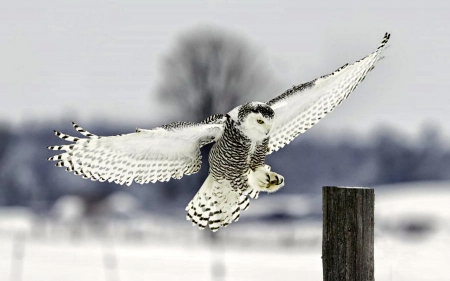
243, 137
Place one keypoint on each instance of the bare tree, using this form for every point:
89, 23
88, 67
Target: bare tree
211, 71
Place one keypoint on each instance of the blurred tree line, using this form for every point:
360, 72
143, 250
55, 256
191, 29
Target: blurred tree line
211, 71
27, 179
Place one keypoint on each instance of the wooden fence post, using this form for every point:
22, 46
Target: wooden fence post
348, 233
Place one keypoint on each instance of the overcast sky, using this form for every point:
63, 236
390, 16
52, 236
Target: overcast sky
91, 61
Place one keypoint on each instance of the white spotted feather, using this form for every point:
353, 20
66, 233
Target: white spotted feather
142, 157
301, 107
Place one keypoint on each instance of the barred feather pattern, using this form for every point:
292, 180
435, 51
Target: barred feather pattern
231, 157
217, 204
226, 192
142, 157
301, 107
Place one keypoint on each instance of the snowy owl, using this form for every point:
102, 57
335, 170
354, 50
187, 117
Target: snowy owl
243, 137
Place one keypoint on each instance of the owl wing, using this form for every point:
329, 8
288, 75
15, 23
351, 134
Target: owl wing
165, 152
302, 106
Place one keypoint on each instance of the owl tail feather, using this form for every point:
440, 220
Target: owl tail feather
216, 204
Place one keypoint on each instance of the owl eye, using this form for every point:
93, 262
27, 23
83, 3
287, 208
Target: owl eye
260, 121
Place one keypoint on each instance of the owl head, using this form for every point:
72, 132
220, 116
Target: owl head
255, 120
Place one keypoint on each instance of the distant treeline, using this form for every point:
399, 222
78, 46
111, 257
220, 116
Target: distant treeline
309, 163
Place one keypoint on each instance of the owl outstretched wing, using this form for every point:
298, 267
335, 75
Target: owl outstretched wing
165, 152
302, 106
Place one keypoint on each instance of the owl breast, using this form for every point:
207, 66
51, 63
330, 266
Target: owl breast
234, 154
230, 156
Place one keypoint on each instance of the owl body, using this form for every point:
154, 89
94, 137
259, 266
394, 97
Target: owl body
238, 150
243, 137
237, 168
231, 164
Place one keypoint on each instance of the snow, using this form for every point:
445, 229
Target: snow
154, 260
412, 242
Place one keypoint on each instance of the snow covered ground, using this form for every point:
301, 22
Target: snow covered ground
412, 237
412, 242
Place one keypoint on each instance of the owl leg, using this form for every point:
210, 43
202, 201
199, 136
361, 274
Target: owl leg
262, 179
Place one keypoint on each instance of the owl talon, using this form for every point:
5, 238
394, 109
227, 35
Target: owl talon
264, 180
276, 182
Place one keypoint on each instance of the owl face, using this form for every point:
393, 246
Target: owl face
256, 120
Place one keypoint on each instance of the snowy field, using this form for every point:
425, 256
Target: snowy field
412, 242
